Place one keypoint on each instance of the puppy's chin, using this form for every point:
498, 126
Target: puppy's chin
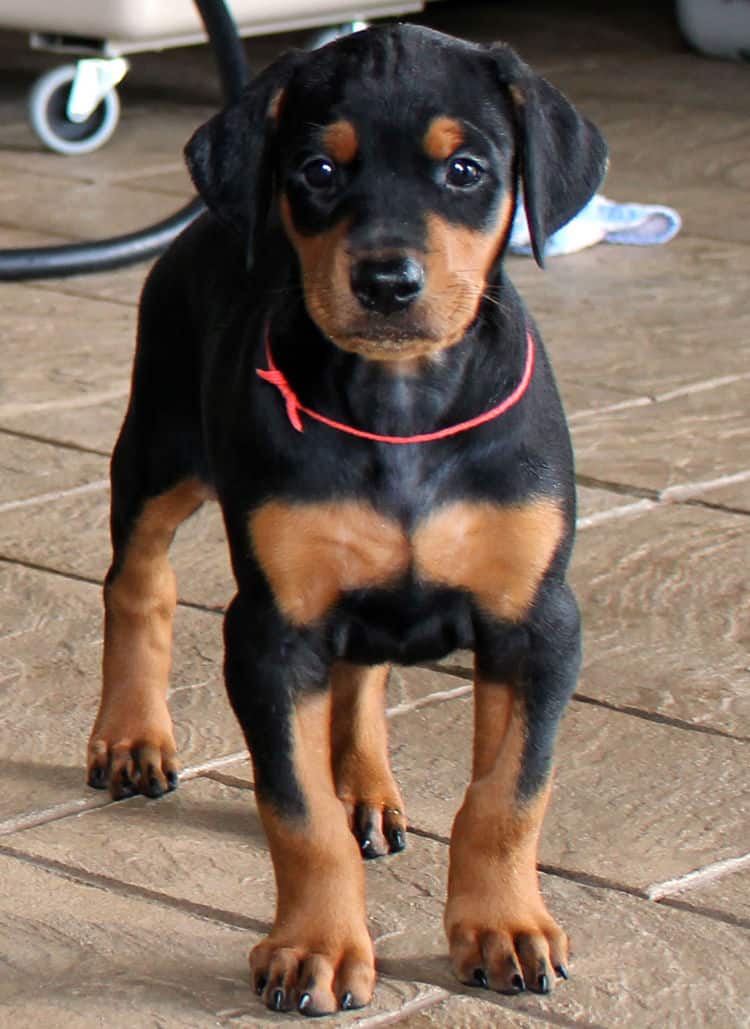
388, 340
393, 349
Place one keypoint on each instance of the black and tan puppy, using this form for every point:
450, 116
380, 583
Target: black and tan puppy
336, 354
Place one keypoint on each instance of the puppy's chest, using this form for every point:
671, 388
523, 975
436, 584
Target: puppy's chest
314, 553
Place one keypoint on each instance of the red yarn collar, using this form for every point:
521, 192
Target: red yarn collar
293, 406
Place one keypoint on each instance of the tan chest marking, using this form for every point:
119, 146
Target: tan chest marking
499, 554
313, 553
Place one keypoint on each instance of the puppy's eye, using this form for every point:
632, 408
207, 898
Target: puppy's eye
463, 173
319, 173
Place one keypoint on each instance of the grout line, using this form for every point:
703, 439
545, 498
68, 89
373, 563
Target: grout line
676, 494
18, 823
234, 781
89, 580
431, 698
620, 405
84, 805
61, 444
701, 387
701, 876
66, 288
64, 404
460, 672
658, 398
45, 498
33, 566
193, 771
660, 719
612, 513
688, 493
714, 914
433, 996
109, 884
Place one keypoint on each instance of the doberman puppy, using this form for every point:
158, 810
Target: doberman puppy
334, 351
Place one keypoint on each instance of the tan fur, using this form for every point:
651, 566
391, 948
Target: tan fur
320, 905
443, 137
312, 553
340, 141
359, 742
139, 604
495, 916
497, 553
457, 262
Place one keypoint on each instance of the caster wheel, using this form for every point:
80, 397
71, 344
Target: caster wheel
48, 105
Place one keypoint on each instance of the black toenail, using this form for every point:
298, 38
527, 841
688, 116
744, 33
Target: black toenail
346, 1001
278, 1000
260, 984
304, 1001
517, 983
368, 850
543, 984
562, 972
397, 840
480, 978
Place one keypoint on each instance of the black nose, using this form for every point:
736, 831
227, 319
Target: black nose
387, 286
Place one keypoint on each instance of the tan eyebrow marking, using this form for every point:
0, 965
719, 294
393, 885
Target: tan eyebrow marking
341, 142
443, 137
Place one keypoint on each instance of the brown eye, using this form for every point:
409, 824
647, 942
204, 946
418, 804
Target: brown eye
319, 173
463, 173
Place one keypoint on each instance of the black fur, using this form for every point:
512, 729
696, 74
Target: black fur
198, 407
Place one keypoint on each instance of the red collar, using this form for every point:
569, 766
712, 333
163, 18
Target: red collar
293, 406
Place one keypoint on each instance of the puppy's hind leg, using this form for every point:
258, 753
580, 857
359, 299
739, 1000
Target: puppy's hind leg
362, 772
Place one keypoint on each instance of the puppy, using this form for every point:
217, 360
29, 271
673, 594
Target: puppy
335, 353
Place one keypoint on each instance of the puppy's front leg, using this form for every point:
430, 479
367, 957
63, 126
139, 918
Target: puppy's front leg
499, 930
318, 956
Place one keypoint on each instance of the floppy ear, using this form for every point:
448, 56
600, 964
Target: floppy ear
229, 157
563, 156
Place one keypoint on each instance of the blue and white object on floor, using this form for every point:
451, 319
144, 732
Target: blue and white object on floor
602, 221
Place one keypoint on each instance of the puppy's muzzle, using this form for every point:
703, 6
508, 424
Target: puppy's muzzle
387, 286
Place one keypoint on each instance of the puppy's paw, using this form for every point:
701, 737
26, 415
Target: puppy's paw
133, 759
379, 826
316, 976
503, 948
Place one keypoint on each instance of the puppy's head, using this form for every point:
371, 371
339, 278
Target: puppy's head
394, 157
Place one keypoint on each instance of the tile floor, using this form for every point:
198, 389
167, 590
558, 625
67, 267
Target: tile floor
141, 913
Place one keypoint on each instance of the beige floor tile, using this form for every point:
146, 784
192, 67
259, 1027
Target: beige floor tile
50, 655
92, 209
469, 1012
82, 957
643, 320
728, 895
698, 438
664, 600
149, 138
82, 349
30, 469
71, 535
618, 809
86, 424
202, 846
634, 964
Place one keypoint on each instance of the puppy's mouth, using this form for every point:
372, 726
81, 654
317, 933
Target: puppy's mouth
387, 338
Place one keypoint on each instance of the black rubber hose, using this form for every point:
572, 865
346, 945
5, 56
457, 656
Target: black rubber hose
103, 255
